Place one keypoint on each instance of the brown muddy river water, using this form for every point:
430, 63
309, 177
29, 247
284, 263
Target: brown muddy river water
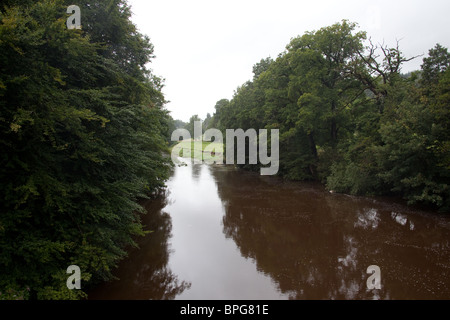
222, 233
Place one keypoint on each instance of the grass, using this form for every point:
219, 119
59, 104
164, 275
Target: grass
190, 144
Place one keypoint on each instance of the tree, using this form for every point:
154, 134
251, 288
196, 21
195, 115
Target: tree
179, 124
220, 105
261, 67
377, 75
207, 122
410, 157
190, 126
348, 117
320, 91
435, 65
82, 134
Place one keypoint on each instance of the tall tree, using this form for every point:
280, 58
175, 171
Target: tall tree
349, 117
435, 65
190, 126
81, 135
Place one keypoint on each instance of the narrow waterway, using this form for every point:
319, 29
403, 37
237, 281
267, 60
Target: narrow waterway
222, 233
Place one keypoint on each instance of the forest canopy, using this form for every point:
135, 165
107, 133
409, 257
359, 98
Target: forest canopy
349, 117
83, 131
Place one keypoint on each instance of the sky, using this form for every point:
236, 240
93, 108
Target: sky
206, 49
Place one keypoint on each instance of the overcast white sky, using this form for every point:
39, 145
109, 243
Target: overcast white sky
206, 49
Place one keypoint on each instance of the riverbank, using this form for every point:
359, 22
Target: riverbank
198, 152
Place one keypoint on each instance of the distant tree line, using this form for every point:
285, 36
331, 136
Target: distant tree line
189, 126
83, 132
348, 117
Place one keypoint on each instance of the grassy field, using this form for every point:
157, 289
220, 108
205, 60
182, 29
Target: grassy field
194, 146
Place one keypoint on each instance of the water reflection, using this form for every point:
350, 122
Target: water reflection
318, 246
145, 273
368, 219
402, 220
196, 171
230, 234
201, 254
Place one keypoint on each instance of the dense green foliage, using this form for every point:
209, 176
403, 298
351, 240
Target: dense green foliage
349, 118
83, 131
190, 126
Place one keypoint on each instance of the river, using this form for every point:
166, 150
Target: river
224, 233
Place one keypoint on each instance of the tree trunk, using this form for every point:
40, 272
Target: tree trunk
313, 148
334, 130
312, 145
